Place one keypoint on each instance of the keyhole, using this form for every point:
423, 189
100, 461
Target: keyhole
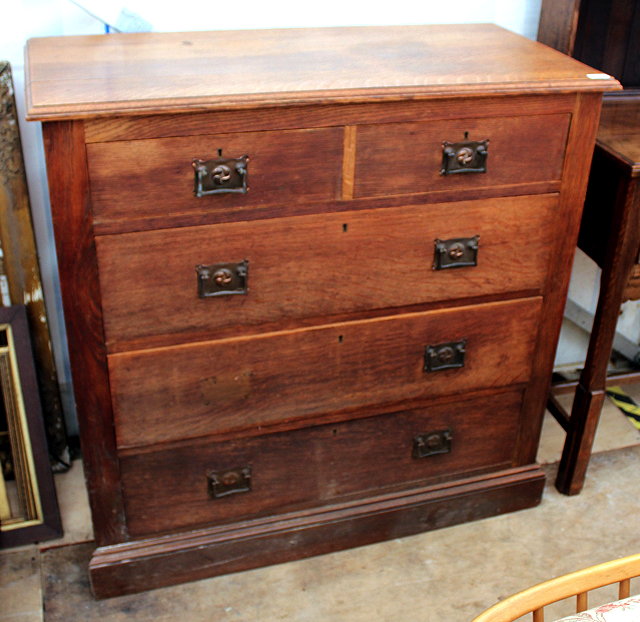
345, 227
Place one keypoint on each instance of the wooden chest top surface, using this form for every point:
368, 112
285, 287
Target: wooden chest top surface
142, 73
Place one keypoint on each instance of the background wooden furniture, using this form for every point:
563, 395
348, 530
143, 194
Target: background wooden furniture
534, 599
601, 34
610, 234
606, 35
357, 348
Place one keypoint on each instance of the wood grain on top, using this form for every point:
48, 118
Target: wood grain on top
90, 76
619, 131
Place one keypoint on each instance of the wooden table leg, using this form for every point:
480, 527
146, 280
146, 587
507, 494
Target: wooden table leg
621, 255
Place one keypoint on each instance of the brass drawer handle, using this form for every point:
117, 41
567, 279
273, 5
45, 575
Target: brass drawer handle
467, 156
222, 279
456, 253
220, 176
432, 443
230, 482
445, 356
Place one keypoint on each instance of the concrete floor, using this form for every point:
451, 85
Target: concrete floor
448, 575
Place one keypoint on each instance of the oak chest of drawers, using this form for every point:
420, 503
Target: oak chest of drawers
313, 281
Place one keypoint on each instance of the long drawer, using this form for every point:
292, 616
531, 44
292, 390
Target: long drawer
214, 482
168, 394
407, 158
320, 265
154, 178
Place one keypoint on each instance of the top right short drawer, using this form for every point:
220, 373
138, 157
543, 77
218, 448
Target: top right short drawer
407, 158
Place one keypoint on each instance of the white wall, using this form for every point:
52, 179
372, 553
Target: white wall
24, 19
584, 290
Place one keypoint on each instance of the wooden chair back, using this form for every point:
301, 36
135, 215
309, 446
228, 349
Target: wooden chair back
576, 584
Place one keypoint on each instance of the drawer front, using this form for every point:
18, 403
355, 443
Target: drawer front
320, 265
407, 158
155, 178
168, 394
207, 483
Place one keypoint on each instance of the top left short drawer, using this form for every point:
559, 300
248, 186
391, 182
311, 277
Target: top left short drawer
151, 181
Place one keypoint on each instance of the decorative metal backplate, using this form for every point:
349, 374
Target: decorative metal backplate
468, 156
432, 443
220, 175
223, 279
231, 482
444, 356
456, 253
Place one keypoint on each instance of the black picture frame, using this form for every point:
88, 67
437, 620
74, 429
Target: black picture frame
45, 523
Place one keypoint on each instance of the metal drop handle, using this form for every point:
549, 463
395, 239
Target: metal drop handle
465, 156
432, 443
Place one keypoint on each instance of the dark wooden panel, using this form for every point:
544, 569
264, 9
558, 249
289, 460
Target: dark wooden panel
147, 178
319, 265
606, 33
406, 158
234, 384
631, 69
558, 24
168, 489
71, 212
156, 562
604, 186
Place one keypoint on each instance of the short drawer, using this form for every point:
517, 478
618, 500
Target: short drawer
320, 265
168, 394
154, 178
214, 482
407, 158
